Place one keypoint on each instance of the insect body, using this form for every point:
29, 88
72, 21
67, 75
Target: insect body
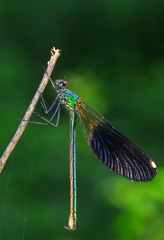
113, 149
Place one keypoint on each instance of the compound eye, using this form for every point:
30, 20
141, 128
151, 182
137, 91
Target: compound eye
64, 83
60, 83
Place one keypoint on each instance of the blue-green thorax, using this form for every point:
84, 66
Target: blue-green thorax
71, 100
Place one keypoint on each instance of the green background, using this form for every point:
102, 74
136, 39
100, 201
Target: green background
113, 57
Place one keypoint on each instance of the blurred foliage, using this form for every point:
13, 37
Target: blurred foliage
113, 57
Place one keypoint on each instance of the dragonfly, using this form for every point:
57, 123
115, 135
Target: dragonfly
112, 148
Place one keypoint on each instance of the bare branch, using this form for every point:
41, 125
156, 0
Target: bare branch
55, 53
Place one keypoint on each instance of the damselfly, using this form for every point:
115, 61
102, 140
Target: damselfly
113, 149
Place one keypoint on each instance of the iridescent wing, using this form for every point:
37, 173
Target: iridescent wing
113, 149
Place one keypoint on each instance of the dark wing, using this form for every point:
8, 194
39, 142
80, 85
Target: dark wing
113, 149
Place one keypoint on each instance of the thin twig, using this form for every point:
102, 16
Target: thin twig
55, 53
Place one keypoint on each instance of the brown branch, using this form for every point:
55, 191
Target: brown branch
55, 53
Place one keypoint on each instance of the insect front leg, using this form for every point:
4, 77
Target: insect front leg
44, 106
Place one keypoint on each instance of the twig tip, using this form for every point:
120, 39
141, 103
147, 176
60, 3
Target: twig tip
55, 51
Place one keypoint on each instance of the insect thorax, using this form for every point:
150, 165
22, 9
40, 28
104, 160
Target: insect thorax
71, 100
